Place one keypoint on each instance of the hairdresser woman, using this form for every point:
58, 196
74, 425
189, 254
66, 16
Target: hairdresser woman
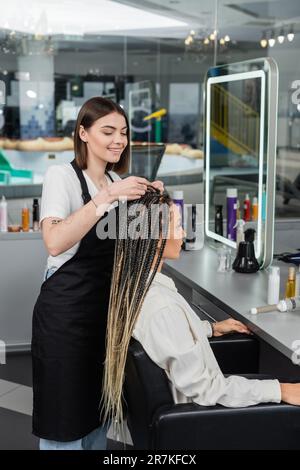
69, 318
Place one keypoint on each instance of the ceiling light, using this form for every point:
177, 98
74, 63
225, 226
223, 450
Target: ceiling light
291, 34
272, 40
263, 42
280, 37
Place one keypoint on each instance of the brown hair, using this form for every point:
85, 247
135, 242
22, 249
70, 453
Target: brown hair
93, 109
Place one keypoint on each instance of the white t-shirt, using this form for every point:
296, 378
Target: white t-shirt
61, 196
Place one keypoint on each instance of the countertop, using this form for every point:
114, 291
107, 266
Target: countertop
236, 293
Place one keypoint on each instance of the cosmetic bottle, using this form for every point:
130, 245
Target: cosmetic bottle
273, 285
35, 215
231, 202
291, 284
190, 228
238, 210
25, 219
178, 200
247, 208
224, 259
289, 304
297, 287
240, 236
254, 209
3, 215
219, 220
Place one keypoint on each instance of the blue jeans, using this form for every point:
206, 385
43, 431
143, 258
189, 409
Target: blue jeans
95, 440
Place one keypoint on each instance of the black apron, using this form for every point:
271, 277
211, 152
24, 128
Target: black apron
68, 338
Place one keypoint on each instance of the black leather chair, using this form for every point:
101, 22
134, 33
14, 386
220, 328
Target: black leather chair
156, 423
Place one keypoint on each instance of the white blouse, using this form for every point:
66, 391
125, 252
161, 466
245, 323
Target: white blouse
176, 339
61, 197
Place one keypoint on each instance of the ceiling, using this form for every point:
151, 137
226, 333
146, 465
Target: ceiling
243, 20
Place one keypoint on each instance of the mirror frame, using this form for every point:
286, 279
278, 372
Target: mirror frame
268, 73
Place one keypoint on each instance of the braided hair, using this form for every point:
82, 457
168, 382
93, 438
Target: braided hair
136, 261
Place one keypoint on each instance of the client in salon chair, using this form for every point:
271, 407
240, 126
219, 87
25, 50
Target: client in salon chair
145, 304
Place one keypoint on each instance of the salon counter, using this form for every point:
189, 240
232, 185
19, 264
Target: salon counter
22, 265
219, 295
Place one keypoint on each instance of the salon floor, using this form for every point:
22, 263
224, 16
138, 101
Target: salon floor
16, 406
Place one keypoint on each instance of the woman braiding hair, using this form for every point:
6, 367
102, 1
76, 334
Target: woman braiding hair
141, 238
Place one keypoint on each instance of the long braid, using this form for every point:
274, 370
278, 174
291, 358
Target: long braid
134, 258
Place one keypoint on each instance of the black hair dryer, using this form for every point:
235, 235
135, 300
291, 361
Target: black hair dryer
245, 261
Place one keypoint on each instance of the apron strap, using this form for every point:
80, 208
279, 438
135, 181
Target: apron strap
85, 192
111, 179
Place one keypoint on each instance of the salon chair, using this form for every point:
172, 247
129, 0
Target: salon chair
156, 423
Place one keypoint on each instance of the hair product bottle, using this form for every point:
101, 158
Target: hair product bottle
240, 236
291, 284
289, 305
25, 219
178, 200
254, 209
190, 239
231, 202
35, 215
297, 288
247, 208
273, 285
238, 210
219, 220
3, 215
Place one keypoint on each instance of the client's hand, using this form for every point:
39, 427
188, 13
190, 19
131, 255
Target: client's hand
290, 393
229, 326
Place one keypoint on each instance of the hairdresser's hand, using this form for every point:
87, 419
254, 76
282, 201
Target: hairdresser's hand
229, 326
129, 188
158, 185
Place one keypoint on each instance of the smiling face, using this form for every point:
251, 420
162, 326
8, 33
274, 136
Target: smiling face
106, 139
